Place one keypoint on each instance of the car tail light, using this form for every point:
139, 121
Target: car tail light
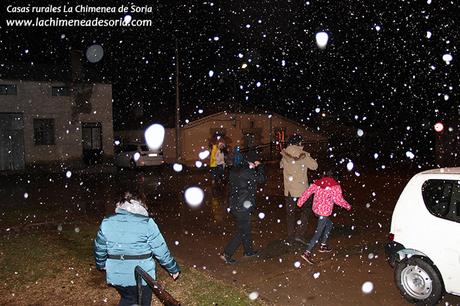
391, 237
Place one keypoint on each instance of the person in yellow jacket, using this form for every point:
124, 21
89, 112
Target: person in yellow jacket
295, 163
217, 162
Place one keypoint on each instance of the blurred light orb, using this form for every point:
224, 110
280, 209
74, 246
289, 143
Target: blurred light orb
367, 287
194, 196
297, 264
322, 39
360, 132
261, 215
178, 167
447, 58
253, 295
198, 164
127, 19
211, 73
94, 53
68, 174
439, 127
247, 204
136, 156
203, 154
410, 155
26, 195
316, 275
154, 136
350, 165
428, 34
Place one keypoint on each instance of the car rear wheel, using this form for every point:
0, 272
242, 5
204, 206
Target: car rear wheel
418, 281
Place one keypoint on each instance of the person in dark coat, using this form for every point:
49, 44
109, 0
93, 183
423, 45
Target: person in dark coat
243, 181
127, 239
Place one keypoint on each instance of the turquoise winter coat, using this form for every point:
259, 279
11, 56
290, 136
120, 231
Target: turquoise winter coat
126, 233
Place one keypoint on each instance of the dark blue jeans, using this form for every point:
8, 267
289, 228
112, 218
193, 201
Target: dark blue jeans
129, 295
323, 229
242, 235
218, 173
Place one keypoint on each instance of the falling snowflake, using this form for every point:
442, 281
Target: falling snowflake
350, 165
177, 167
410, 155
203, 154
154, 136
367, 287
253, 295
194, 196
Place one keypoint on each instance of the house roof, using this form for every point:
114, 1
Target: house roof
231, 115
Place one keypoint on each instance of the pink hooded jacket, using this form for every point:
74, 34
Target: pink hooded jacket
327, 191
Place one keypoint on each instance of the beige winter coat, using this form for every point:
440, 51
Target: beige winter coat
295, 162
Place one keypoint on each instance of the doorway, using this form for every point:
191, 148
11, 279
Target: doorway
92, 142
11, 141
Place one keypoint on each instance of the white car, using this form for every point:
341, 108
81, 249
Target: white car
134, 155
424, 243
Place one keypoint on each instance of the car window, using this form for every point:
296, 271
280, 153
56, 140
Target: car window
442, 198
128, 148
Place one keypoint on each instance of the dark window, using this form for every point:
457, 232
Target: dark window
8, 89
60, 91
129, 148
442, 198
44, 131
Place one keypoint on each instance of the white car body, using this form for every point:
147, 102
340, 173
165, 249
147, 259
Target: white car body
137, 155
431, 234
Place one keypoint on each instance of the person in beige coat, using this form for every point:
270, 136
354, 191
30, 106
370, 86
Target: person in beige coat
295, 163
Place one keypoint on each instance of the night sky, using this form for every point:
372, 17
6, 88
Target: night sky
382, 70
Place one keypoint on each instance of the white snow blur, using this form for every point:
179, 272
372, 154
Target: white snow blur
194, 196
447, 58
154, 136
178, 167
203, 154
253, 295
94, 53
367, 287
321, 39
350, 165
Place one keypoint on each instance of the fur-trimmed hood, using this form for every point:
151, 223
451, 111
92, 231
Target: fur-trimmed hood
294, 152
132, 206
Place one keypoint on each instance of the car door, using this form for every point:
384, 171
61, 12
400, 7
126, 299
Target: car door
442, 199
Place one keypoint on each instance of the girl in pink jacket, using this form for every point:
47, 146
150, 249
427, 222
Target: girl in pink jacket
327, 191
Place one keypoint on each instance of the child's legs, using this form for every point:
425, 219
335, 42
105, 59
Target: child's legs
327, 230
322, 222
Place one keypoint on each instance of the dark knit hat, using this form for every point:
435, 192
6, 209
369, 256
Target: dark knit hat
295, 139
